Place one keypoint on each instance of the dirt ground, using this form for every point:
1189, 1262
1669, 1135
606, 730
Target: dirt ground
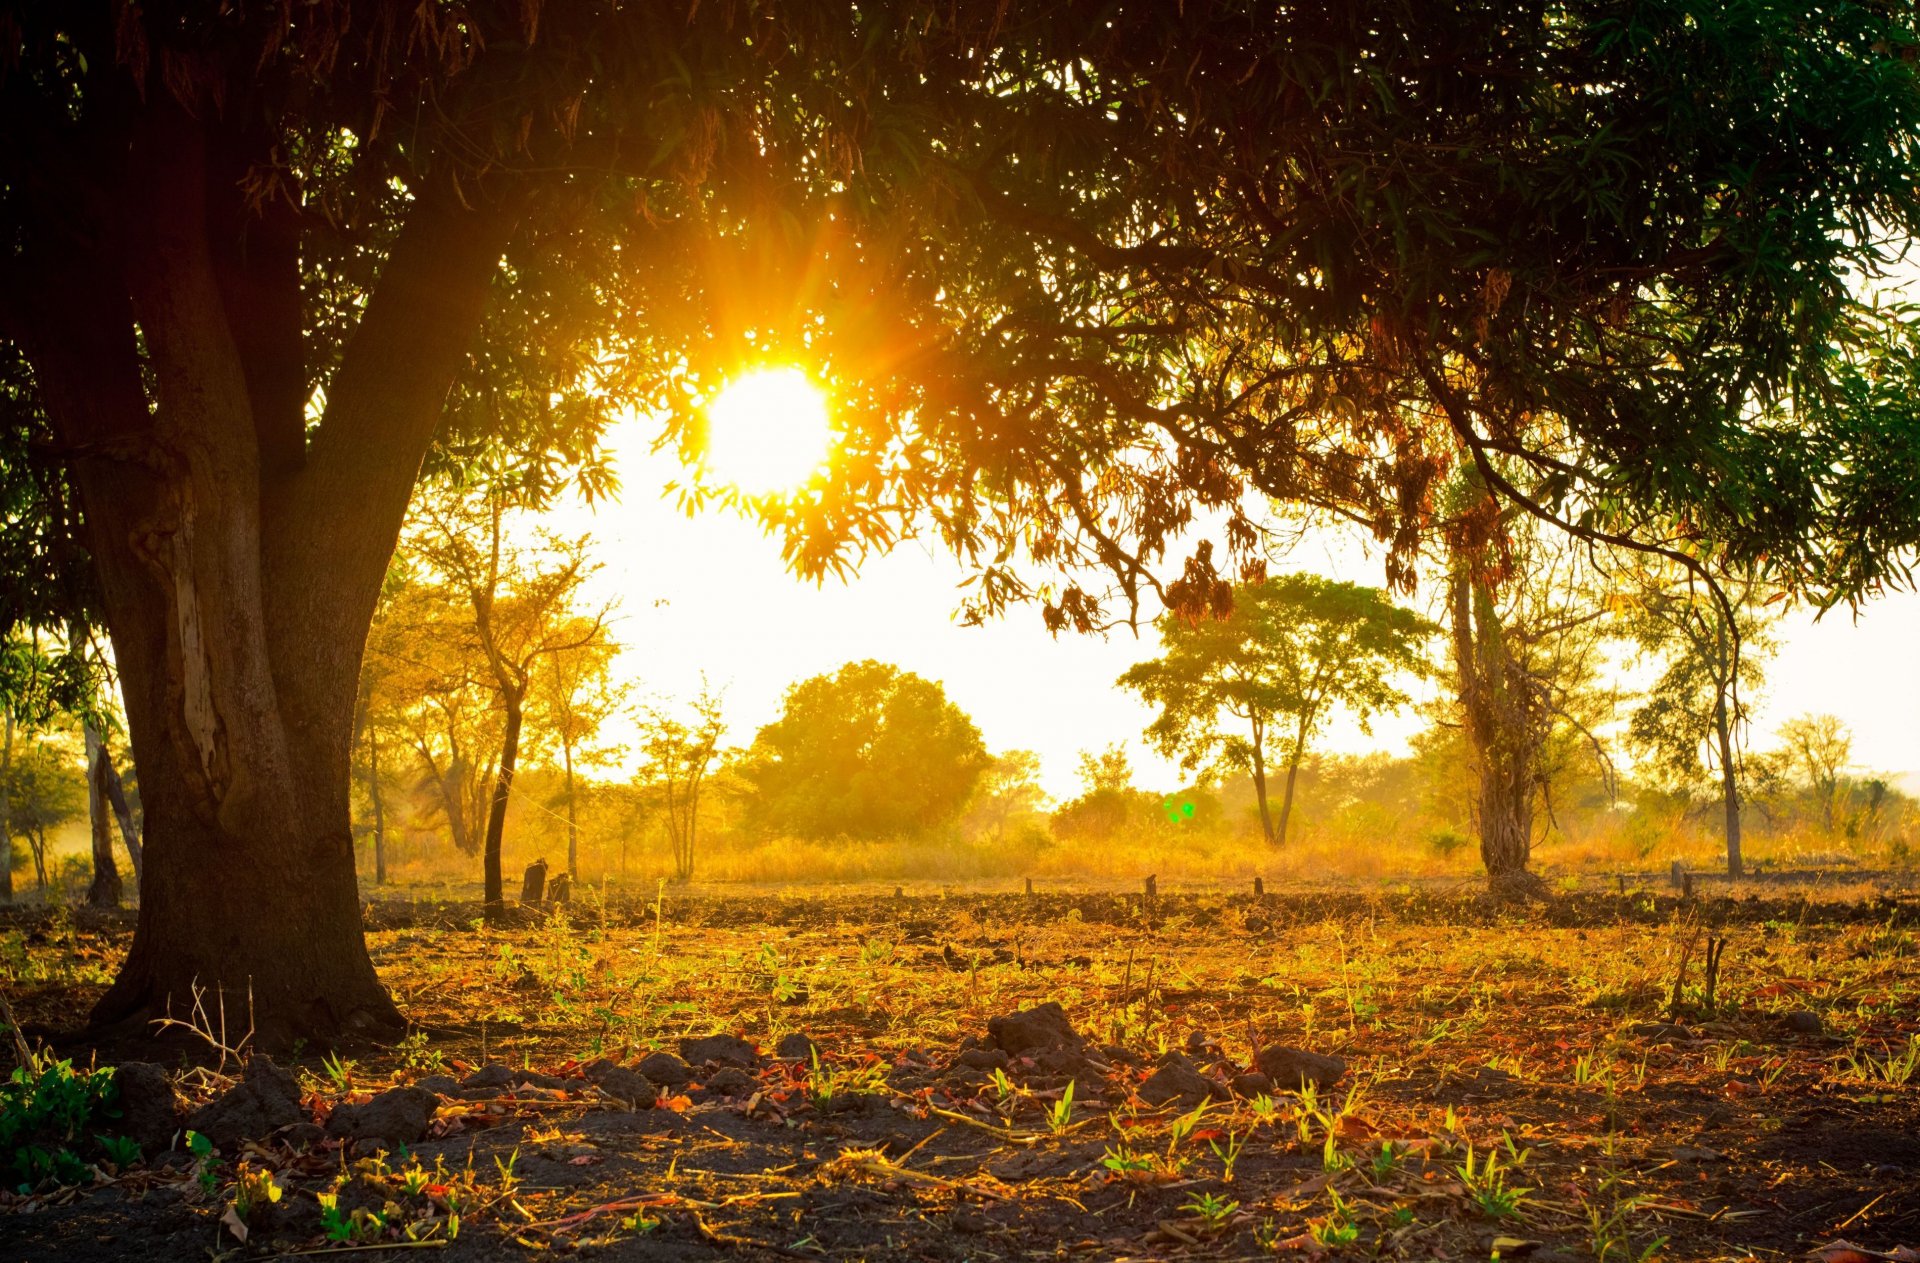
1519, 1081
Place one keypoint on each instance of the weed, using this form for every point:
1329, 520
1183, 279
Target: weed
415, 1055
1894, 1069
1230, 1155
1487, 1184
47, 1110
1213, 1212
1060, 1117
340, 1073
1336, 1228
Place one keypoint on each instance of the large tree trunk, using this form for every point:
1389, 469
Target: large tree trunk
497, 810
1500, 725
239, 566
104, 892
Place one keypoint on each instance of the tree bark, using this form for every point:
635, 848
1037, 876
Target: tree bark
1729, 784
379, 807
1286, 798
6, 807
515, 704
1497, 709
573, 820
104, 891
239, 567
1260, 782
123, 813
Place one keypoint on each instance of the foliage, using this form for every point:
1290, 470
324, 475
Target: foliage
870, 751
1820, 748
50, 1115
678, 757
1672, 620
45, 787
1007, 795
1290, 651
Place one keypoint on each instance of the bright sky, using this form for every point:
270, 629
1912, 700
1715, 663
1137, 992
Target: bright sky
733, 612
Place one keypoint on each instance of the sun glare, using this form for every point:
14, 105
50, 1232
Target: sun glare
767, 431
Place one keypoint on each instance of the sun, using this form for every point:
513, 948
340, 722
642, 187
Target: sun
767, 431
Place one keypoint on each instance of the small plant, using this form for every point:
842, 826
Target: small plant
1896, 1069
47, 1112
1386, 1162
415, 1055
509, 1180
252, 1189
206, 1167
1336, 1228
1213, 1212
1003, 1088
1060, 1117
1487, 1183
1127, 1163
1264, 1109
122, 1151
1230, 1155
339, 1073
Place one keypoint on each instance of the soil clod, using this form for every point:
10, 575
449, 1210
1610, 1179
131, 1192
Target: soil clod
1290, 1069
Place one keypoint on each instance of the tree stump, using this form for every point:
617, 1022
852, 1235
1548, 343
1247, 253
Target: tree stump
533, 887
561, 890
1151, 890
1259, 889
1029, 887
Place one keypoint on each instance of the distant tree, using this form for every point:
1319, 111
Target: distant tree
870, 751
1009, 789
1695, 714
1819, 747
1292, 650
575, 695
46, 787
424, 681
1108, 804
1529, 647
678, 757
524, 603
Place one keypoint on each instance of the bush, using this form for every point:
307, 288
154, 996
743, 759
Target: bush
1444, 842
48, 1115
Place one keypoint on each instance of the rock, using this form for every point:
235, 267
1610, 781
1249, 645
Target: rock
1252, 1084
1803, 1022
439, 1084
627, 1085
397, 1117
1043, 1026
1116, 1055
719, 1048
666, 1069
265, 1100
149, 1107
492, 1077
1177, 1081
303, 1135
731, 1081
1290, 1069
1665, 1032
796, 1047
1200, 1044
987, 1059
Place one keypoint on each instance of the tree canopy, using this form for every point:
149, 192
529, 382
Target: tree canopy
1293, 649
870, 751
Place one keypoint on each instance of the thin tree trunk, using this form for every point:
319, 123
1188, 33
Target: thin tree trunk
6, 809
1729, 785
497, 810
573, 820
104, 892
1286, 798
1260, 782
379, 807
123, 813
